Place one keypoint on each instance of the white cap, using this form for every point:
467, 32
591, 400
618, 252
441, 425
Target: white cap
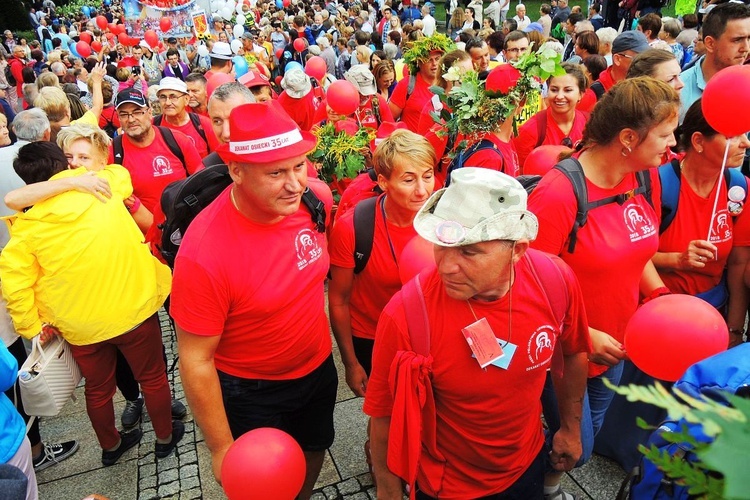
171, 83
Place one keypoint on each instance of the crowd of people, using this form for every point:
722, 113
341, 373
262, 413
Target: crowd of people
546, 281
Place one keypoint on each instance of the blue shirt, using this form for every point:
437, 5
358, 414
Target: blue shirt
12, 427
694, 86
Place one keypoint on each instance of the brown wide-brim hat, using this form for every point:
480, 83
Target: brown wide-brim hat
264, 133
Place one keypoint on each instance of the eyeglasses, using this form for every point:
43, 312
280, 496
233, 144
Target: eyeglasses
627, 56
171, 97
135, 114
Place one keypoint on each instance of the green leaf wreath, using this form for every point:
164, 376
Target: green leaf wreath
341, 156
477, 111
420, 50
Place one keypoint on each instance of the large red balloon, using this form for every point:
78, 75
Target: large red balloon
216, 80
343, 97
670, 333
263, 463
85, 37
286, 3
165, 24
299, 44
418, 254
101, 21
96, 46
316, 68
726, 108
123, 38
152, 39
84, 49
542, 159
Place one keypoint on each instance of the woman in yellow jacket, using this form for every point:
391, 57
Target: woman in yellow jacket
79, 267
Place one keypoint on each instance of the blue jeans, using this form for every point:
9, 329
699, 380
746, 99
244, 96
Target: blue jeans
596, 400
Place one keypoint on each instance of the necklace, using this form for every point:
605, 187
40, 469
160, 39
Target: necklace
234, 202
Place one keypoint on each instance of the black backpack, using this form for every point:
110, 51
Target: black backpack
460, 159
119, 153
195, 120
109, 126
9, 76
183, 200
574, 173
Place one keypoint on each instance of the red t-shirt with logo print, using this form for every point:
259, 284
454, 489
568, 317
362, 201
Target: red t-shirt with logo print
488, 425
258, 286
154, 167
379, 280
612, 248
691, 222
189, 130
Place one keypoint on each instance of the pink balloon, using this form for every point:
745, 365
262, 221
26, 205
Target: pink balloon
84, 49
542, 159
217, 80
263, 463
152, 39
343, 97
721, 95
316, 68
670, 333
417, 255
299, 44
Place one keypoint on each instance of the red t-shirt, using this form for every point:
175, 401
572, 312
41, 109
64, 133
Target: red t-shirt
262, 293
154, 167
379, 280
361, 188
691, 222
305, 111
109, 115
189, 130
611, 251
488, 426
411, 107
366, 116
528, 134
426, 121
502, 157
589, 100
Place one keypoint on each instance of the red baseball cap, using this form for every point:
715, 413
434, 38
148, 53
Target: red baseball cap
264, 133
254, 79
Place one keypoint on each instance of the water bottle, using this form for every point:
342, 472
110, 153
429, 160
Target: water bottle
25, 376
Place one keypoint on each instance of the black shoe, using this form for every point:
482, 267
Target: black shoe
54, 453
178, 409
178, 431
127, 441
131, 415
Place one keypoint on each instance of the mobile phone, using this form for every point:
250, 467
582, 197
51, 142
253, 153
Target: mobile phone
136, 70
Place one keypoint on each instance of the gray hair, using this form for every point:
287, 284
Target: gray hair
58, 68
606, 35
31, 125
228, 90
323, 42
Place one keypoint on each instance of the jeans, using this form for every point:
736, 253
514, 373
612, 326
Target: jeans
596, 400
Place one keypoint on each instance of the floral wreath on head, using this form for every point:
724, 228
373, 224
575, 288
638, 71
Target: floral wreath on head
419, 50
480, 106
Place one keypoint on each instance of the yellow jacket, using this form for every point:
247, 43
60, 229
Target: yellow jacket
81, 265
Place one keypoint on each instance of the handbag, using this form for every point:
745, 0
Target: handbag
48, 377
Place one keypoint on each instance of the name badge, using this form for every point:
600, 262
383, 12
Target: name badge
482, 342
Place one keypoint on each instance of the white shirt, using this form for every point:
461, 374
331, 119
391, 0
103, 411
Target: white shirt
522, 23
428, 25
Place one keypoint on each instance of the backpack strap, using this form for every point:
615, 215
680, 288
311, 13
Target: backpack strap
412, 84
157, 120
196, 121
118, 153
417, 320
173, 146
466, 153
317, 209
364, 232
669, 178
598, 89
541, 128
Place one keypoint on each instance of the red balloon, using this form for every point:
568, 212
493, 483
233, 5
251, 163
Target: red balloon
343, 97
112, 28
721, 95
316, 68
299, 44
417, 255
286, 3
279, 53
123, 38
118, 29
165, 24
84, 49
277, 80
85, 37
101, 21
217, 80
133, 42
96, 46
670, 333
152, 39
542, 159
263, 463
